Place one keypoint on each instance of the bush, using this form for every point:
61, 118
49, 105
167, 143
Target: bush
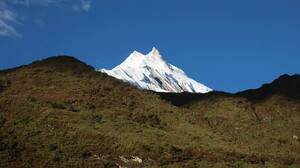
86, 154
3, 84
109, 164
152, 119
57, 105
2, 120
90, 106
52, 147
175, 151
63, 106
14, 148
97, 118
72, 109
23, 120
57, 156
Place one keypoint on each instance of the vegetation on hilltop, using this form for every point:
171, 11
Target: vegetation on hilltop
59, 112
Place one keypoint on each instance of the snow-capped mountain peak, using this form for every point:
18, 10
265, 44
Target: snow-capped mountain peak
134, 59
152, 72
155, 57
154, 54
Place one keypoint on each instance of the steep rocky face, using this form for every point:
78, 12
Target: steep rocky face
152, 72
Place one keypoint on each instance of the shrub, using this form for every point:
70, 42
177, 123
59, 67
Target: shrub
23, 120
2, 83
109, 164
72, 109
63, 106
52, 147
2, 120
86, 154
90, 106
57, 105
57, 156
97, 118
175, 151
14, 148
152, 119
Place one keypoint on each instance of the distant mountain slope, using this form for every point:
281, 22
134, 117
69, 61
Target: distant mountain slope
60, 112
286, 85
152, 72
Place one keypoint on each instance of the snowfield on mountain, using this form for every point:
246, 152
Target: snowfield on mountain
152, 72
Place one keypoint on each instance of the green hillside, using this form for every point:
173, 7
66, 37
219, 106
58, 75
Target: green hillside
60, 112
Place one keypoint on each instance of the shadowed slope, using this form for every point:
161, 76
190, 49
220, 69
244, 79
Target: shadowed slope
286, 85
180, 99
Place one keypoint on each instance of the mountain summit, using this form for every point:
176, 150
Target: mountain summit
152, 72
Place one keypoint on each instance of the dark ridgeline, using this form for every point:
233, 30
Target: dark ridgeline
60, 112
184, 98
286, 85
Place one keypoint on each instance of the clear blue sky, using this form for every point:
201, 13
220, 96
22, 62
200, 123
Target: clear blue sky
229, 45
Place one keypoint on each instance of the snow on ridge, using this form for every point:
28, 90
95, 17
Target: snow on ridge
152, 72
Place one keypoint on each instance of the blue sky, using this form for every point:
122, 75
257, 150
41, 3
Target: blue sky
228, 45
